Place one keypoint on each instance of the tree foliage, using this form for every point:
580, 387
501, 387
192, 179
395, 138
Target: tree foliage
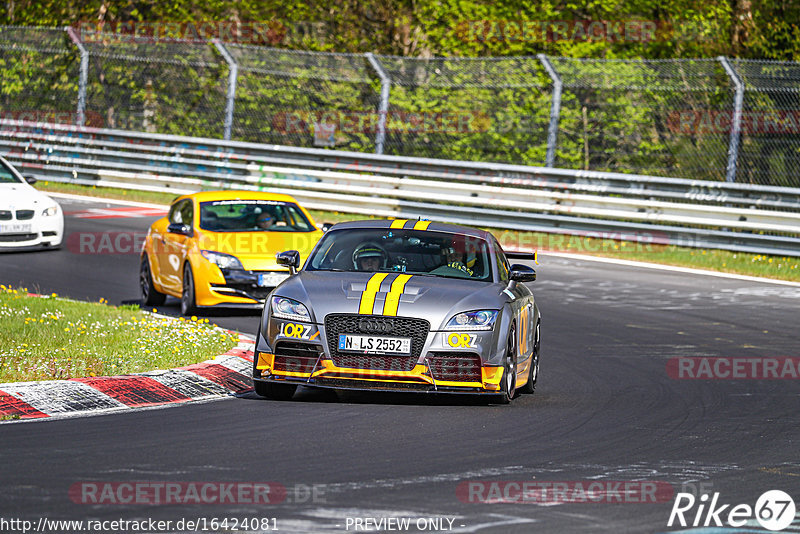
683, 28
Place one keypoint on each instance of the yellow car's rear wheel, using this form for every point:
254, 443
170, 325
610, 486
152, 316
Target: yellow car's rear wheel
150, 295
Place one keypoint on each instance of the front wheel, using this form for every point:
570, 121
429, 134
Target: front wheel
508, 383
533, 374
188, 303
274, 391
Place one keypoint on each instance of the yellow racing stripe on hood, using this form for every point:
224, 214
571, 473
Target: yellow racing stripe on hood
393, 298
398, 223
422, 225
368, 296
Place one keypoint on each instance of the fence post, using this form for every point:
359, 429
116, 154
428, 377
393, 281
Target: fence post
84, 76
233, 73
736, 123
555, 111
383, 110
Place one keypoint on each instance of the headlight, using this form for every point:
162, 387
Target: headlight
223, 261
473, 320
49, 212
289, 309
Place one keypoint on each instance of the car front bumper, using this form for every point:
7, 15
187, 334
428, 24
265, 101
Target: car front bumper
42, 233
324, 373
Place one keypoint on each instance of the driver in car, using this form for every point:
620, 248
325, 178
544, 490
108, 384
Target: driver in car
369, 257
454, 260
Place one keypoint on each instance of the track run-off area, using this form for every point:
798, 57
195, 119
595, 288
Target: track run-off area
654, 383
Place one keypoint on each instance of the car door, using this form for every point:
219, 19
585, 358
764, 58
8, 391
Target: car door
175, 245
523, 309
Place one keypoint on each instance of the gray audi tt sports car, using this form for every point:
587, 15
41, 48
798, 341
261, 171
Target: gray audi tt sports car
401, 305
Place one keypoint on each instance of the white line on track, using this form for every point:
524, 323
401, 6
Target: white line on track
673, 268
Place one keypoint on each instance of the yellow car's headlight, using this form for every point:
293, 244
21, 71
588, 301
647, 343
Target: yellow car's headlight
223, 261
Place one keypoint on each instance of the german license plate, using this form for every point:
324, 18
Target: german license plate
15, 228
375, 344
271, 279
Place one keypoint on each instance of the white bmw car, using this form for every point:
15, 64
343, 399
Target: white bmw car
28, 218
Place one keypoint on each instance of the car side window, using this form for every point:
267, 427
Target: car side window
187, 213
175, 213
181, 213
502, 263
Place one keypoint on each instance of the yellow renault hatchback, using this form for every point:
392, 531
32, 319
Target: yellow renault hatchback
217, 248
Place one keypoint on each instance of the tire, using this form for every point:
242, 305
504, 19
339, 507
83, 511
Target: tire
150, 295
256, 372
282, 392
509, 379
188, 303
533, 375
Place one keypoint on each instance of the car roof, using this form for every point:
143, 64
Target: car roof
236, 194
410, 224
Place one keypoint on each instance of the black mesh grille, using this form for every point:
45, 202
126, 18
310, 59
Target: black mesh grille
13, 238
295, 356
455, 366
5, 215
24, 215
416, 329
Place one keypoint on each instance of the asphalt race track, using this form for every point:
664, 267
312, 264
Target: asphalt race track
606, 411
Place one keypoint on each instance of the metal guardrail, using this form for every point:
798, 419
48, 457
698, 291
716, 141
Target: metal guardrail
758, 219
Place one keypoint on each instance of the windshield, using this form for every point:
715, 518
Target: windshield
409, 251
253, 216
7, 176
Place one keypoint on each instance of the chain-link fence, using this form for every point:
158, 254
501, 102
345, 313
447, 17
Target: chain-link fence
708, 119
770, 149
303, 98
640, 116
40, 70
167, 87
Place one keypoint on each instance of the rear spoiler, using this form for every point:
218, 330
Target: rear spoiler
530, 256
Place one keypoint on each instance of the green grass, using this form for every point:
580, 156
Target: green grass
777, 267
165, 198
51, 338
108, 192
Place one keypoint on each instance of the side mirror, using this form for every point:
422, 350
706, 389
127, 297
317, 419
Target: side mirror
290, 259
177, 228
30, 179
522, 273
326, 226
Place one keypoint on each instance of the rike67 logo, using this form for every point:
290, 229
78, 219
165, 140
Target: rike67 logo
774, 510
